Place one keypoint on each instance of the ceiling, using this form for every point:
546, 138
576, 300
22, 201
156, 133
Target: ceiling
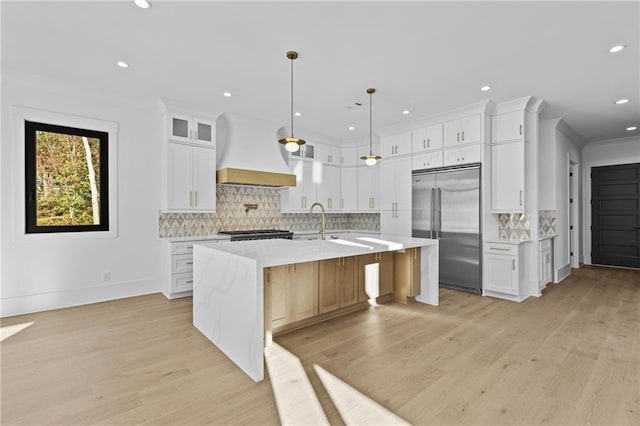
426, 57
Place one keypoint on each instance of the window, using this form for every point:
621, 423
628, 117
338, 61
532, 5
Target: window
66, 179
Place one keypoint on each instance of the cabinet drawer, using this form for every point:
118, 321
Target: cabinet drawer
427, 161
501, 248
182, 248
182, 282
545, 244
181, 263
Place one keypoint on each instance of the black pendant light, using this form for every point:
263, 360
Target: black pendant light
371, 159
292, 144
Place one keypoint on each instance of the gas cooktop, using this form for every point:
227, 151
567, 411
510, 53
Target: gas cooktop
258, 234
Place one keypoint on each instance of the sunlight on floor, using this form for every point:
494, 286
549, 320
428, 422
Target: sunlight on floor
296, 401
353, 406
10, 330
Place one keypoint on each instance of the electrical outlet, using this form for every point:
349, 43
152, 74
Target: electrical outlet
106, 276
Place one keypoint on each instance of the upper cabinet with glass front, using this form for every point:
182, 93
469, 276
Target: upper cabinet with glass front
184, 128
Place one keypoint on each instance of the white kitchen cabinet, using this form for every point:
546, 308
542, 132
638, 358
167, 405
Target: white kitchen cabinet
328, 188
508, 177
545, 270
328, 154
368, 188
463, 131
178, 269
395, 184
184, 128
392, 146
462, 155
502, 270
427, 138
307, 151
427, 160
349, 188
300, 197
191, 178
395, 222
349, 156
507, 127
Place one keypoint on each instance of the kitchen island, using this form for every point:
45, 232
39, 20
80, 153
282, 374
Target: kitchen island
229, 287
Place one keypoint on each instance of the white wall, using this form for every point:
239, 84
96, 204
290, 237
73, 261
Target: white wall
47, 273
559, 144
604, 153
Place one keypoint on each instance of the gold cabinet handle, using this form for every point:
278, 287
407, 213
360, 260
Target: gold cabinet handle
373, 202
521, 130
189, 247
424, 143
196, 197
521, 197
498, 248
190, 134
513, 264
190, 282
196, 134
189, 263
463, 135
190, 198
342, 203
458, 136
428, 143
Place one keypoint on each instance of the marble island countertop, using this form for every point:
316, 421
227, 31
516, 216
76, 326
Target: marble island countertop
283, 252
229, 290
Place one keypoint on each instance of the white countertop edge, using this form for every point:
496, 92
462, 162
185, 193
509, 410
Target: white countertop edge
283, 252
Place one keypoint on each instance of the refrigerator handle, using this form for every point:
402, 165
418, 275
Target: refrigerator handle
433, 212
439, 228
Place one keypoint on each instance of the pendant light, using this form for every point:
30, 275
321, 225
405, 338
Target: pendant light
292, 144
371, 159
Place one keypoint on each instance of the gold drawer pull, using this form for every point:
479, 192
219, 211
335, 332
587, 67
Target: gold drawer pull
189, 263
190, 282
498, 248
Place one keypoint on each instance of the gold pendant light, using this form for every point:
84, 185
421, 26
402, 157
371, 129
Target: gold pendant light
371, 159
292, 144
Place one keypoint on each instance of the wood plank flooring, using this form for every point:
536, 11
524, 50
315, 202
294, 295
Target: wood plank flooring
569, 357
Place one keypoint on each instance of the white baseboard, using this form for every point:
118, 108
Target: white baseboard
562, 273
20, 305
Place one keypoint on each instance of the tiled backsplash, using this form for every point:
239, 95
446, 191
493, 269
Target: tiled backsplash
231, 215
547, 223
514, 226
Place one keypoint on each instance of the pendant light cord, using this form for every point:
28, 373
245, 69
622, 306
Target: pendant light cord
370, 125
291, 98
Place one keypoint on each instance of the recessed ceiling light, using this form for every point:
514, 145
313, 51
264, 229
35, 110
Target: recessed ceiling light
485, 88
351, 128
297, 114
406, 112
227, 94
142, 4
622, 101
617, 48
123, 64
631, 129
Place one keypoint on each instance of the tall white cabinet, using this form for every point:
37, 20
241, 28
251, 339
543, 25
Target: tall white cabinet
189, 176
395, 196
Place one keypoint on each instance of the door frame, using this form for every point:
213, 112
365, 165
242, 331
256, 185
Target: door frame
573, 183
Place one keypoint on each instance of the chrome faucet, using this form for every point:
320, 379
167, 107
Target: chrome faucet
322, 232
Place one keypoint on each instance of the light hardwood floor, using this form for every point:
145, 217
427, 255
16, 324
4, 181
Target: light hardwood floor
569, 357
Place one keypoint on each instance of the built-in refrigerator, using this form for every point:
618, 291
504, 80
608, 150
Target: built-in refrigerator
446, 206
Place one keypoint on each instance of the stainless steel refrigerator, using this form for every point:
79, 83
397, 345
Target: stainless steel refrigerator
446, 206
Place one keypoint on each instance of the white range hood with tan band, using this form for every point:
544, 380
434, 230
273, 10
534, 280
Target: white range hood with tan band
249, 153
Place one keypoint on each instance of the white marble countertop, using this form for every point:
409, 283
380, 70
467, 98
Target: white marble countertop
216, 237
283, 252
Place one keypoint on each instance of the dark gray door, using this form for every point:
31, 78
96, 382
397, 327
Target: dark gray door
615, 215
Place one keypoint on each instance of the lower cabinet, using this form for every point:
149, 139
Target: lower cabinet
406, 275
545, 259
294, 292
502, 270
375, 275
337, 283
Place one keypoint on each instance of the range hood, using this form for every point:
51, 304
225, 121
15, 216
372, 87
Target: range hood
249, 153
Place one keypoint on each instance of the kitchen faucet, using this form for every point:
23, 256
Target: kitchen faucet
322, 233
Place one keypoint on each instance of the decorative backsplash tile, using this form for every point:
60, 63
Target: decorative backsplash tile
514, 226
231, 214
547, 223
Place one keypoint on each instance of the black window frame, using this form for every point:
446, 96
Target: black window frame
31, 225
